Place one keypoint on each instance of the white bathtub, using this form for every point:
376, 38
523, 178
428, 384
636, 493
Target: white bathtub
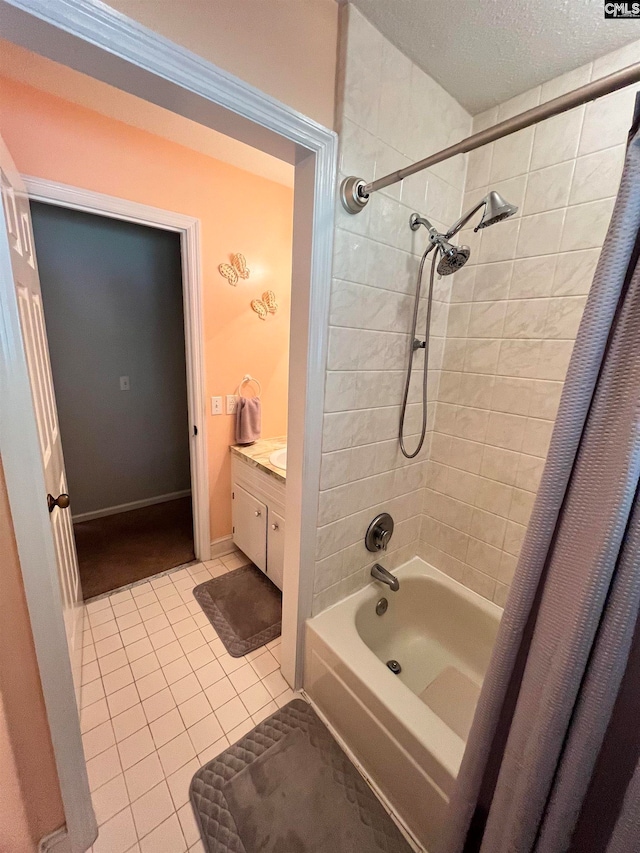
408, 731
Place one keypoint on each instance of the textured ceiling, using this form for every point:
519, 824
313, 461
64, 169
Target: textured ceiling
484, 52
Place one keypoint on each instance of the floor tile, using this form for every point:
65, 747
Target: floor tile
135, 747
158, 704
106, 630
116, 835
133, 634
180, 780
170, 602
110, 798
93, 715
89, 653
98, 739
101, 617
91, 692
255, 697
108, 645
150, 610
167, 727
230, 664
178, 613
150, 684
176, 670
166, 838
152, 808
99, 604
286, 697
145, 665
240, 730
117, 680
205, 732
129, 620
265, 664
169, 653
112, 662
103, 767
128, 722
139, 649
140, 589
192, 641
264, 712
213, 751
185, 688
210, 673
89, 672
145, 600
163, 638
220, 693
122, 700
201, 656
275, 683
143, 776
243, 677
231, 714
176, 753
190, 828
156, 623
124, 607
194, 709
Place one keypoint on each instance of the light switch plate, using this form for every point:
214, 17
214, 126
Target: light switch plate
231, 404
216, 405
124, 383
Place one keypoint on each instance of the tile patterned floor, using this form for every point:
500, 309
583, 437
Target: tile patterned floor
161, 697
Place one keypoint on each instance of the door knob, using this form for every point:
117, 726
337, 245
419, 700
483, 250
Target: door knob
258, 513
275, 526
61, 501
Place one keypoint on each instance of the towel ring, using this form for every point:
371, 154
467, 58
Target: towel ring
249, 378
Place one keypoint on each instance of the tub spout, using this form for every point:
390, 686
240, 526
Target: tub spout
381, 574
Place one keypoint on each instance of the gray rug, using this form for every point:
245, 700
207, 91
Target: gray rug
244, 607
287, 787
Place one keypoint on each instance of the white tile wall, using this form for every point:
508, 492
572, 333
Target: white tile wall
512, 323
390, 113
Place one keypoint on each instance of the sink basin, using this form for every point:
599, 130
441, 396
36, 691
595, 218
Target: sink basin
279, 458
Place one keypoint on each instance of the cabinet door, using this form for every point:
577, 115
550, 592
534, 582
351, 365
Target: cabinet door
250, 526
275, 548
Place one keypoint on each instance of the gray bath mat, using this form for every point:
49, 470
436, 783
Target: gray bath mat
287, 787
244, 607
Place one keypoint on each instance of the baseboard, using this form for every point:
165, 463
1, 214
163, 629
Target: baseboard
114, 510
56, 842
222, 546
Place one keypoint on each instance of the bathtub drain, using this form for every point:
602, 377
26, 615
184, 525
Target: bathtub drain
394, 666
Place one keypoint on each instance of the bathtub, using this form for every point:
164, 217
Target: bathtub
407, 730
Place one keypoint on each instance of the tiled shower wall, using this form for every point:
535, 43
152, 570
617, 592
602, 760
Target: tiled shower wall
389, 114
512, 321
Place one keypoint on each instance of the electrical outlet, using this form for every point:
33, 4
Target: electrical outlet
231, 404
216, 405
124, 383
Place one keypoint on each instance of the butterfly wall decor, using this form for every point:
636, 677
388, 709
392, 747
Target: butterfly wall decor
265, 306
235, 270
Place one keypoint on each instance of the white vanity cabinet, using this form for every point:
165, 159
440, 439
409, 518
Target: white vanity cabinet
257, 501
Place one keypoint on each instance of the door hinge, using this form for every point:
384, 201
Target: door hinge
195, 429
233, 530
233, 496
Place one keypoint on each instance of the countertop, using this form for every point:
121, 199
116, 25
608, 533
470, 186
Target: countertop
258, 453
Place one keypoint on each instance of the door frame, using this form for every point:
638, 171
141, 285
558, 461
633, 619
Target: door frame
100, 42
188, 227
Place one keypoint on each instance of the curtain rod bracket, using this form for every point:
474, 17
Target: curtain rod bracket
351, 193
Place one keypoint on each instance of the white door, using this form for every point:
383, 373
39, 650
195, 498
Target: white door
25, 275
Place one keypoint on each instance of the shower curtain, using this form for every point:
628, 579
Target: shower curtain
553, 758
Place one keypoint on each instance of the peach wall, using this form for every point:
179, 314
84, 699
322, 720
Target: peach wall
239, 212
286, 48
30, 803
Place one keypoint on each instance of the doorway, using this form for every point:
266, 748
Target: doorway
113, 305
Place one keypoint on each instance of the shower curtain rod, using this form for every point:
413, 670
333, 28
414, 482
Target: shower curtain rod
355, 193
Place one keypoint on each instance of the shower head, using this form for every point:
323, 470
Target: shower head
495, 210
453, 257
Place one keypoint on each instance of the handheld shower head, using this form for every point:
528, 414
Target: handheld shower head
495, 210
453, 257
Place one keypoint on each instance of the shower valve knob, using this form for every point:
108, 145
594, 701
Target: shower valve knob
379, 532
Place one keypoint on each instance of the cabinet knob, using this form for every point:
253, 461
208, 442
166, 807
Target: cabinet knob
258, 513
275, 526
